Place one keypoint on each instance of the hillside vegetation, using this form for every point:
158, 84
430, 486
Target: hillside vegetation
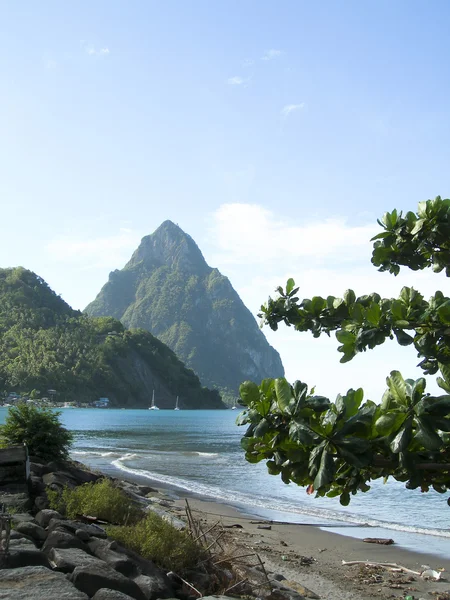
45, 344
168, 289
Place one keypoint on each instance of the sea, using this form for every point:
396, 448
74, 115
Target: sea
198, 453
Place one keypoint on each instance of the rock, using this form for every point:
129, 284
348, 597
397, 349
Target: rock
58, 480
38, 583
15, 535
105, 594
284, 594
104, 550
91, 578
146, 489
177, 523
82, 535
36, 532
41, 502
22, 543
25, 557
36, 469
67, 559
44, 517
37, 485
60, 538
154, 587
18, 502
21, 518
303, 591
73, 526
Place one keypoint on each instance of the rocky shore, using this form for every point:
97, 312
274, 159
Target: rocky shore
50, 557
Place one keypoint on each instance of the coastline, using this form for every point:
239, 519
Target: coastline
284, 547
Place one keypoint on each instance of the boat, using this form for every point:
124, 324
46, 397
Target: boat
234, 407
176, 405
153, 406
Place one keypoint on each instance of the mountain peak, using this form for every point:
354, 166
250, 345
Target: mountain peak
169, 245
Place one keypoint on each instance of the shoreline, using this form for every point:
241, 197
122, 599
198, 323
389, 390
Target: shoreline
286, 548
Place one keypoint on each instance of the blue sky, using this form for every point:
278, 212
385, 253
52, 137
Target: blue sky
273, 133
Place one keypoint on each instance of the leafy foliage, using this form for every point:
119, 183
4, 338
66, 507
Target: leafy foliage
101, 499
337, 448
156, 539
45, 344
38, 428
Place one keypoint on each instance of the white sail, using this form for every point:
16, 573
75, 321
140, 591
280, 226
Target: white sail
153, 406
176, 405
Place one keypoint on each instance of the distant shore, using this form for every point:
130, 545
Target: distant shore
283, 545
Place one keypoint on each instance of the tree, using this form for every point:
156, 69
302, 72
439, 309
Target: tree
38, 428
338, 448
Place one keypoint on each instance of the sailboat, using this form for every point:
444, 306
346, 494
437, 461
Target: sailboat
176, 405
234, 407
153, 406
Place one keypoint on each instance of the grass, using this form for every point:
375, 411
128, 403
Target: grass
101, 499
156, 539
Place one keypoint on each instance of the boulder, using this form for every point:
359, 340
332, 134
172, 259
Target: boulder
37, 485
91, 578
36, 532
105, 550
67, 559
58, 480
18, 502
17, 518
83, 535
105, 594
44, 516
154, 587
60, 538
38, 583
41, 502
15, 535
25, 557
36, 469
73, 526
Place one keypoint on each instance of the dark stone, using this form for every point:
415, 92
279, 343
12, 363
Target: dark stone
25, 558
58, 479
104, 550
92, 578
19, 502
22, 543
105, 594
67, 559
73, 526
73, 470
41, 502
15, 535
38, 583
36, 532
146, 567
154, 587
44, 516
21, 518
37, 485
60, 538
83, 535
36, 469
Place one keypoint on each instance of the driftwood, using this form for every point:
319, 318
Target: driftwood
264, 527
389, 566
383, 541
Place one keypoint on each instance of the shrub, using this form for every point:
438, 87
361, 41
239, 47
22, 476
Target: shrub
156, 539
39, 428
101, 499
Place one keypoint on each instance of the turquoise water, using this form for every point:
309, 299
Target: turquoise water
198, 452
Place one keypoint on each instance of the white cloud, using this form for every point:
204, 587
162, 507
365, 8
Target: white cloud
271, 54
51, 64
95, 252
290, 108
259, 250
248, 62
91, 50
236, 80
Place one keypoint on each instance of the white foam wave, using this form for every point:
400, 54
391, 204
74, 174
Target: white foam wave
94, 453
320, 515
207, 453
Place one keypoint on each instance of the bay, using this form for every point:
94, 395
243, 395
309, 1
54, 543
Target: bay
199, 453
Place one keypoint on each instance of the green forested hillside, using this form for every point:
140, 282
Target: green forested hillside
45, 344
168, 289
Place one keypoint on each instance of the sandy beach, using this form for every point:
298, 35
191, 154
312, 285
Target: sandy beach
312, 557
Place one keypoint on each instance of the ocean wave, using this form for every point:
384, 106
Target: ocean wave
319, 515
95, 453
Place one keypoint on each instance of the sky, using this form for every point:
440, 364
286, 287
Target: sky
274, 133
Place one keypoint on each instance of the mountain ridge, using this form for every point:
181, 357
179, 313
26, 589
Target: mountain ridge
168, 288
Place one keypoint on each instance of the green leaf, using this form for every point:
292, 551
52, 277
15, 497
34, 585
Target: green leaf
249, 392
403, 338
373, 314
290, 285
326, 471
344, 499
389, 423
349, 297
401, 441
283, 393
302, 433
426, 435
397, 387
444, 313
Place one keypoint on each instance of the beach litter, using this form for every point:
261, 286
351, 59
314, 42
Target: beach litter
382, 541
